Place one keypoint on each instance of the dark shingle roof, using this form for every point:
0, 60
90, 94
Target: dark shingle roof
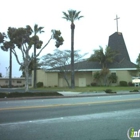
117, 43
122, 61
115, 65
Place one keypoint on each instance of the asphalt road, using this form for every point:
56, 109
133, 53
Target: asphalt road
88, 118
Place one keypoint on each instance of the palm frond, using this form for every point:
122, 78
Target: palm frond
80, 17
72, 15
66, 16
76, 15
40, 29
35, 28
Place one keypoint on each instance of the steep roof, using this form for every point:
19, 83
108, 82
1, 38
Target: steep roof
122, 61
116, 42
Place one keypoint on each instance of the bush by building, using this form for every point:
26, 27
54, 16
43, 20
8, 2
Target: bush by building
39, 84
123, 83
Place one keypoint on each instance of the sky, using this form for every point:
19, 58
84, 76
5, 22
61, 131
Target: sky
91, 31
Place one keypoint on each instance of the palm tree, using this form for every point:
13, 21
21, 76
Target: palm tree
35, 31
71, 16
103, 57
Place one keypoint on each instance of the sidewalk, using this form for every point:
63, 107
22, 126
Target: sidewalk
102, 93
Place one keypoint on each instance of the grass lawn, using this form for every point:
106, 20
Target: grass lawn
89, 89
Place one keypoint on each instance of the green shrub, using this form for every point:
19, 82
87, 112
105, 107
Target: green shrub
109, 91
4, 86
135, 90
130, 84
123, 83
39, 84
3, 95
28, 94
93, 84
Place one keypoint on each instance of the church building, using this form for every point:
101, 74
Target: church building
122, 67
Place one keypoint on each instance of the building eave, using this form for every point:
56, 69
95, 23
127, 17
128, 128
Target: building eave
111, 69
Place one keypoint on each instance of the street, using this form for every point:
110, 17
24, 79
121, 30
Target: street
81, 118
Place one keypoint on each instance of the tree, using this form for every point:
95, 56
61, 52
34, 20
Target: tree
60, 60
101, 76
0, 74
2, 37
138, 62
112, 78
35, 31
104, 58
97, 77
21, 39
71, 16
31, 66
104, 75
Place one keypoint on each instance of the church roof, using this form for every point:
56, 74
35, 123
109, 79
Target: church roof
93, 66
116, 42
122, 61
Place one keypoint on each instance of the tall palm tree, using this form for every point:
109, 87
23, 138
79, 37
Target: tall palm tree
35, 31
71, 16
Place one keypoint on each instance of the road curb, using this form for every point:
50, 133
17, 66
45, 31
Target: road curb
69, 96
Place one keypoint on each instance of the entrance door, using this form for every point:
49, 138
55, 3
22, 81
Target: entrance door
82, 82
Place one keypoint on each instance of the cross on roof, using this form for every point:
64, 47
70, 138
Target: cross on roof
117, 21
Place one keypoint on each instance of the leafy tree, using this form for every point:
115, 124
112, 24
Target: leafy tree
31, 66
60, 60
2, 37
138, 62
71, 16
22, 39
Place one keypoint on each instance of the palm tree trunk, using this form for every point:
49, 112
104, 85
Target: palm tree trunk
10, 70
34, 66
26, 78
72, 56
